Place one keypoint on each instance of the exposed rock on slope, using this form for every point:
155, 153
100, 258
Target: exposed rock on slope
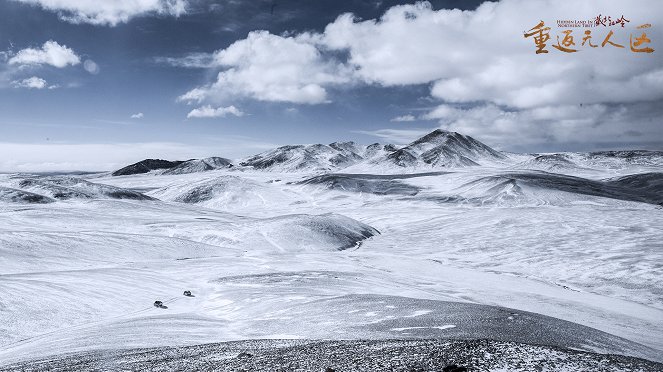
347, 356
362, 183
542, 187
619, 159
11, 195
643, 182
145, 166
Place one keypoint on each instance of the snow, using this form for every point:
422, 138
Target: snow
283, 254
442, 328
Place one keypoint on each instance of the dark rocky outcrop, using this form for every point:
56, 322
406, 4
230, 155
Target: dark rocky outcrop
145, 166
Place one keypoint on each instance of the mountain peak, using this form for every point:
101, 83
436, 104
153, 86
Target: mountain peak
436, 134
145, 166
442, 148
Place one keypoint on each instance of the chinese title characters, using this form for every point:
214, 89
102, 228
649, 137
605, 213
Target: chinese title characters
566, 42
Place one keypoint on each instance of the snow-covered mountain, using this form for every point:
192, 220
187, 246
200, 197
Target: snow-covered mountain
318, 157
441, 149
549, 162
438, 149
200, 165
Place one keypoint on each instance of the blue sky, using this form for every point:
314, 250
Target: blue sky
92, 85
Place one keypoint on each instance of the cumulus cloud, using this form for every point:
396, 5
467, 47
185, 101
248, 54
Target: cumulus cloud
109, 12
137, 115
491, 84
404, 118
211, 112
476, 62
481, 55
274, 68
30, 83
51, 53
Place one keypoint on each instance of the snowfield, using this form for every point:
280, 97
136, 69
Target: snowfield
338, 242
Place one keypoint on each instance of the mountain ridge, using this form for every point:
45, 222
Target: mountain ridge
436, 150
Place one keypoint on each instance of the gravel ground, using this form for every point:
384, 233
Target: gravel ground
337, 356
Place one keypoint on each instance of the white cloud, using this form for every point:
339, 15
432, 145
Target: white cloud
109, 12
557, 126
194, 60
194, 95
481, 60
31, 83
137, 115
482, 55
91, 66
211, 112
268, 67
478, 58
51, 53
404, 118
469, 56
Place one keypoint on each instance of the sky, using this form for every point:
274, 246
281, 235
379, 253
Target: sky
95, 85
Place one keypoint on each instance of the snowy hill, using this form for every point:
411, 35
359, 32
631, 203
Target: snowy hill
549, 162
651, 183
519, 188
11, 195
68, 187
444, 238
145, 166
225, 192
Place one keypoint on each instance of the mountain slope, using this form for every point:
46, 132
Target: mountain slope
200, 165
318, 157
66, 187
145, 166
11, 195
443, 149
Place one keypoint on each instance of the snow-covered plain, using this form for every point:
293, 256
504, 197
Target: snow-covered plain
368, 251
